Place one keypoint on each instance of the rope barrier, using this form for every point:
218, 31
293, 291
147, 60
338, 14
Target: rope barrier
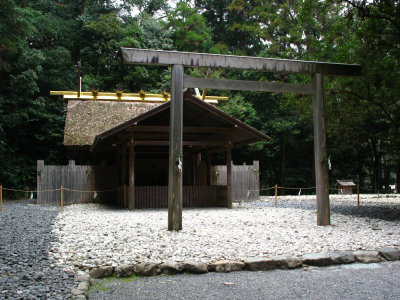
288, 188
265, 189
59, 189
276, 187
120, 188
29, 191
103, 191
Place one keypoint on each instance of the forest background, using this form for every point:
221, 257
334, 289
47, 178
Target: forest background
41, 42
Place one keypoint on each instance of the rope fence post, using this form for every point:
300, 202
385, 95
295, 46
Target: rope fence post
62, 200
358, 195
276, 195
1, 198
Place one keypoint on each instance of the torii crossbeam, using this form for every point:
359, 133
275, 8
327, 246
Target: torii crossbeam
179, 60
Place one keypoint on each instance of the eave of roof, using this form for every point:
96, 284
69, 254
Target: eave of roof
253, 134
345, 183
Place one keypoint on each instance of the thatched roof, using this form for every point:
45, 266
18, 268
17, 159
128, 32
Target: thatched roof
86, 119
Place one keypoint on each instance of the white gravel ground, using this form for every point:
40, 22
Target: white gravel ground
97, 235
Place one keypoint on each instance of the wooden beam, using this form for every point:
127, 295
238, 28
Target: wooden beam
320, 152
247, 85
125, 97
185, 129
131, 191
184, 143
175, 151
107, 96
190, 59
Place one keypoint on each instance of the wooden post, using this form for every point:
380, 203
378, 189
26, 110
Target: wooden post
320, 152
79, 78
123, 169
1, 198
194, 169
62, 200
131, 191
208, 168
276, 195
124, 195
257, 191
229, 173
39, 171
175, 150
123, 163
358, 195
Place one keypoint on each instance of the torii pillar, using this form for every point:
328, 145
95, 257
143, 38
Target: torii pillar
175, 151
320, 152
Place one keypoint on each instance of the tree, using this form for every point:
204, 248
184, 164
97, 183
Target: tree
189, 29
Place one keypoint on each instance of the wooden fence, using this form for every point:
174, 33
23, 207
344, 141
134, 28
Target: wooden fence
245, 180
193, 196
76, 181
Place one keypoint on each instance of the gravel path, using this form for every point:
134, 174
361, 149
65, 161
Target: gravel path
91, 235
26, 270
352, 282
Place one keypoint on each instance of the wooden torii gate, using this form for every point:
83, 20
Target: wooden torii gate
180, 60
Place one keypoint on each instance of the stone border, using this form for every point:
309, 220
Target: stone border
84, 282
260, 263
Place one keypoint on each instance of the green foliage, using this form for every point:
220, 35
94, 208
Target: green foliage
189, 29
149, 7
154, 34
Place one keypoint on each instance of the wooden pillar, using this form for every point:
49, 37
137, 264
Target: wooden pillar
61, 198
131, 190
194, 169
256, 193
208, 168
175, 151
123, 169
124, 199
118, 166
229, 173
320, 152
39, 171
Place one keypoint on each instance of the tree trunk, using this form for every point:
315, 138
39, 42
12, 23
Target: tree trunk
386, 176
84, 7
377, 166
283, 163
360, 172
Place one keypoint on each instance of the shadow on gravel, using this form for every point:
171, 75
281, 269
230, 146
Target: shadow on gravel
382, 212
26, 270
385, 213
